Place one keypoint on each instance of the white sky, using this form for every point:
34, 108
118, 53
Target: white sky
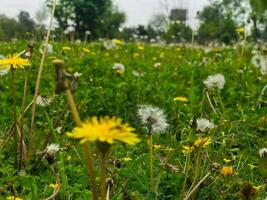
137, 11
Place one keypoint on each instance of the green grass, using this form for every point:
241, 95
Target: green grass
240, 126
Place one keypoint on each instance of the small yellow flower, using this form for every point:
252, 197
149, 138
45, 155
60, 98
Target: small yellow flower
227, 170
240, 30
136, 55
15, 61
258, 187
182, 99
202, 142
117, 42
227, 160
69, 158
118, 71
54, 186
187, 149
13, 198
156, 147
178, 49
140, 47
126, 159
251, 166
66, 48
105, 129
86, 50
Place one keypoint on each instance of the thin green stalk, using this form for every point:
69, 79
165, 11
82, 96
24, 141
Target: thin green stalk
40, 75
211, 105
151, 172
221, 102
13, 86
103, 176
186, 175
22, 115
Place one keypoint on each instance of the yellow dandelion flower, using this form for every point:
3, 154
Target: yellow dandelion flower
202, 142
227, 160
69, 158
156, 147
117, 42
66, 48
258, 187
15, 61
187, 149
126, 159
227, 170
86, 50
182, 99
13, 198
105, 129
240, 30
178, 49
140, 47
54, 186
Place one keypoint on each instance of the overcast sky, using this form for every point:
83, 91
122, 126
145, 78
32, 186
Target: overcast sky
137, 11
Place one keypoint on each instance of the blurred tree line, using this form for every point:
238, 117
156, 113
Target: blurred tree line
93, 19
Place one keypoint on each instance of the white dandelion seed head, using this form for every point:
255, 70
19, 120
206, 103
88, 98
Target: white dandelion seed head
153, 117
204, 124
263, 152
49, 48
137, 73
118, 66
43, 101
156, 65
215, 81
260, 62
52, 149
77, 75
109, 45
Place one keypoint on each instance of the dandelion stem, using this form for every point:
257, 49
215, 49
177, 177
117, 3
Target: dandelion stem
13, 86
22, 115
87, 153
211, 105
150, 141
103, 176
40, 75
187, 167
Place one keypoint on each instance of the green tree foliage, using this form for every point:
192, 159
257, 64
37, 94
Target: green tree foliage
9, 28
178, 32
216, 24
97, 16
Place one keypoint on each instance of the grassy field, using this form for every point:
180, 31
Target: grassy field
192, 158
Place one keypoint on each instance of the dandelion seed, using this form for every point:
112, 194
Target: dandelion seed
43, 101
156, 65
153, 117
216, 81
119, 68
226, 171
77, 75
49, 48
259, 61
137, 73
52, 149
204, 124
106, 130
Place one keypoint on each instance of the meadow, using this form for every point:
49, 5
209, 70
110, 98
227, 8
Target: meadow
210, 142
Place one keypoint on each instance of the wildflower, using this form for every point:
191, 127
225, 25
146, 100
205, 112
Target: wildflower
263, 152
86, 50
52, 149
240, 30
216, 81
13, 198
77, 75
126, 159
106, 130
109, 45
54, 186
88, 32
259, 187
66, 48
204, 124
14, 61
69, 30
137, 73
117, 42
49, 48
187, 149
43, 101
156, 147
202, 142
182, 99
119, 68
251, 166
156, 65
227, 170
69, 158
227, 160
153, 118
140, 47
59, 129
